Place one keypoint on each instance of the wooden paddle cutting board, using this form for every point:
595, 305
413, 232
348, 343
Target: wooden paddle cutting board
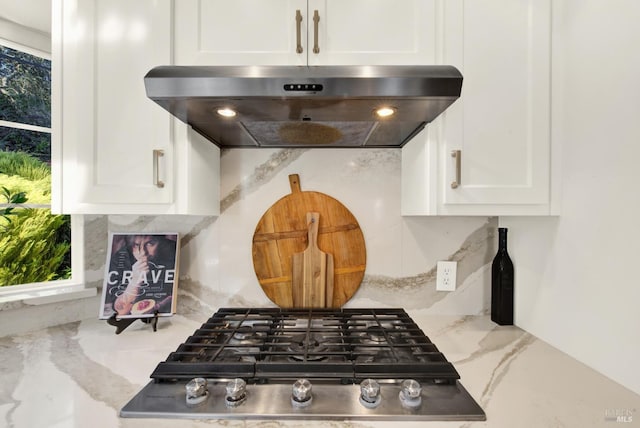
312, 271
283, 231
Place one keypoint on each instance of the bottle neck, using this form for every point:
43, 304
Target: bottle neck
502, 238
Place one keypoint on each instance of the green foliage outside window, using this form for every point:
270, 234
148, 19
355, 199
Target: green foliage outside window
25, 88
37, 144
25, 98
35, 247
34, 244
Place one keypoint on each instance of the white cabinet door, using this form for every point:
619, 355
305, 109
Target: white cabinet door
115, 150
268, 32
372, 32
109, 128
501, 123
240, 32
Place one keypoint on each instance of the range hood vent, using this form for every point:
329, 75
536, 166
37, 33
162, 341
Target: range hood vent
288, 106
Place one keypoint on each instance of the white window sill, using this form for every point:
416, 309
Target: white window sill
41, 294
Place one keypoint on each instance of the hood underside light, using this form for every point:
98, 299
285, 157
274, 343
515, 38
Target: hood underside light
385, 111
226, 112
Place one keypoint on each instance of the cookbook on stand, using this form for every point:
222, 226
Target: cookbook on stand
141, 275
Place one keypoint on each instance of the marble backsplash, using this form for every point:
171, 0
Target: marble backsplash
216, 268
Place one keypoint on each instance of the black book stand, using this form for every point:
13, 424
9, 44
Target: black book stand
122, 323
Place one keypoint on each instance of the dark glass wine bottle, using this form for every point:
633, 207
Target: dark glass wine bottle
502, 283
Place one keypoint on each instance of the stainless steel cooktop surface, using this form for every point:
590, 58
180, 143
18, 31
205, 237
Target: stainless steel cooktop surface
271, 363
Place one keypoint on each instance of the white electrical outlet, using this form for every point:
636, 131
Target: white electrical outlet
446, 276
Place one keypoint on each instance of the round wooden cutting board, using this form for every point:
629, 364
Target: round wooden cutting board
283, 231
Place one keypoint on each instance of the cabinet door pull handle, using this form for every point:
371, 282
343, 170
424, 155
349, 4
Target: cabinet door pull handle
157, 153
316, 20
457, 155
298, 29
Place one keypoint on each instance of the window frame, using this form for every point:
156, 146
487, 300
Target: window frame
57, 290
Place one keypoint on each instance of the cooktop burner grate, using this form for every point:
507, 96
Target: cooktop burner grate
343, 345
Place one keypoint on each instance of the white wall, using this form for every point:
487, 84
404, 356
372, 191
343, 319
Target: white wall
577, 274
26, 23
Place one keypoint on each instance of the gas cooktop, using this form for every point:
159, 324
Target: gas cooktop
272, 363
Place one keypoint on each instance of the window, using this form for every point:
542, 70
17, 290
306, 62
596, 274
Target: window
35, 245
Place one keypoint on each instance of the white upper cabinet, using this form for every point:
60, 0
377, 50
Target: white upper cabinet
499, 129
371, 32
239, 32
114, 150
301, 32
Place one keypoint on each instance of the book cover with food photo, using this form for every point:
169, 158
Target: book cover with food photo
141, 275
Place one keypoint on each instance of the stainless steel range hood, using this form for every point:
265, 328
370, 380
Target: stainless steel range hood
288, 106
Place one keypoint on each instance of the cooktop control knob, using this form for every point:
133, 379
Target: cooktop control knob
410, 394
236, 392
370, 393
301, 393
196, 391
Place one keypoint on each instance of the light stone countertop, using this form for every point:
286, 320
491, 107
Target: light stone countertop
81, 374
